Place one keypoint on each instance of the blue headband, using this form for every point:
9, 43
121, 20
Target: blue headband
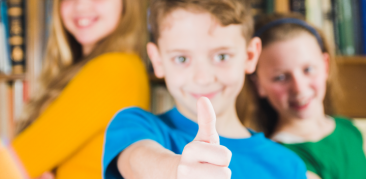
291, 21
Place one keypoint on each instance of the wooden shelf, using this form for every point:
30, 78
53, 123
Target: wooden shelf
4, 77
351, 60
352, 80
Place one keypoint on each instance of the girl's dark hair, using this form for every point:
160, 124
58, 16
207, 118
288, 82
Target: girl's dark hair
263, 117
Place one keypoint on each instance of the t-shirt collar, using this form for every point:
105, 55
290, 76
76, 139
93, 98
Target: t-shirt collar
190, 127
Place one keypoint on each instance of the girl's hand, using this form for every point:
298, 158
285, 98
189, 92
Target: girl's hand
204, 157
46, 175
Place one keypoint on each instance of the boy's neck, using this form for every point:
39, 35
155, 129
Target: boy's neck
227, 123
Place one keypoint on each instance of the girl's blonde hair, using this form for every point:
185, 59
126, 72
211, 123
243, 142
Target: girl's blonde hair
263, 117
63, 58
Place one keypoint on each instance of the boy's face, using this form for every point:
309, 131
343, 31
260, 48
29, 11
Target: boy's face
199, 57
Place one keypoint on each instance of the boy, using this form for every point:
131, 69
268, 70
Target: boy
203, 49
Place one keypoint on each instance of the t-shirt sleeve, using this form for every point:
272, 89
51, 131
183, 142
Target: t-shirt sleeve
300, 168
127, 127
295, 166
361, 126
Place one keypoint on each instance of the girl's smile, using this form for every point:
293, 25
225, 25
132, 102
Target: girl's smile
294, 80
85, 22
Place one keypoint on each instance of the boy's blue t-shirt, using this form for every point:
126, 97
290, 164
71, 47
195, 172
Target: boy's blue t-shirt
253, 157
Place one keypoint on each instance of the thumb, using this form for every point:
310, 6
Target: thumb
206, 122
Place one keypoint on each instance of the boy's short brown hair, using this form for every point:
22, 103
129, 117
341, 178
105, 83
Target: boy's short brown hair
227, 12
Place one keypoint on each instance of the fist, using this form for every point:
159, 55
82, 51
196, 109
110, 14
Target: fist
204, 157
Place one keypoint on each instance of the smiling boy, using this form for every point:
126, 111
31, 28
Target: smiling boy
203, 50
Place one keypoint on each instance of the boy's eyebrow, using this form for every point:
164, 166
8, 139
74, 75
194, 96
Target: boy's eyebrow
211, 51
176, 50
220, 48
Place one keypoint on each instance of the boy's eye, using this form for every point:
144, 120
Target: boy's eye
279, 78
221, 57
181, 59
309, 69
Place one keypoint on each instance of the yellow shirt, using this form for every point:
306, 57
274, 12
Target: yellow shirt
68, 136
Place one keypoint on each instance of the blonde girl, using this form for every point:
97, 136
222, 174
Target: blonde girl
92, 69
295, 83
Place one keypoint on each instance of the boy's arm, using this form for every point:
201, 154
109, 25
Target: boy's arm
148, 159
202, 158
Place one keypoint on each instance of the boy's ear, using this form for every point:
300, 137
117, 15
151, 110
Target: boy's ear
261, 92
326, 59
253, 51
154, 55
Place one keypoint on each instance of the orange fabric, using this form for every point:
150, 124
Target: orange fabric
68, 135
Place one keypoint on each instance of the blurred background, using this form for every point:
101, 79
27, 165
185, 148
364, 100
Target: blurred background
24, 29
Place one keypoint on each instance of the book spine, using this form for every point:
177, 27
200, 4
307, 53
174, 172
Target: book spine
269, 6
363, 24
334, 15
282, 6
18, 99
356, 26
298, 6
258, 7
4, 110
328, 26
10, 103
17, 35
346, 27
6, 61
314, 12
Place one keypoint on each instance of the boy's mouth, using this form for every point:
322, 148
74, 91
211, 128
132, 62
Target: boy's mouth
207, 95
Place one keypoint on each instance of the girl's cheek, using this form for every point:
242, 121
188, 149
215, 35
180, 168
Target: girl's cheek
279, 94
320, 86
66, 13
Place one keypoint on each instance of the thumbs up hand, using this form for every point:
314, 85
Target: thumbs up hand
204, 157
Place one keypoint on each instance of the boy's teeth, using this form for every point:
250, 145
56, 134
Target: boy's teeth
302, 102
84, 22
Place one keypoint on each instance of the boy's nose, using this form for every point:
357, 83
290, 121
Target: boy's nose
203, 75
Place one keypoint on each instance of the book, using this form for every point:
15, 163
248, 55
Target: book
345, 27
269, 6
298, 6
314, 12
356, 18
5, 61
4, 133
10, 103
17, 35
328, 26
258, 7
363, 25
282, 6
334, 15
5, 66
18, 98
